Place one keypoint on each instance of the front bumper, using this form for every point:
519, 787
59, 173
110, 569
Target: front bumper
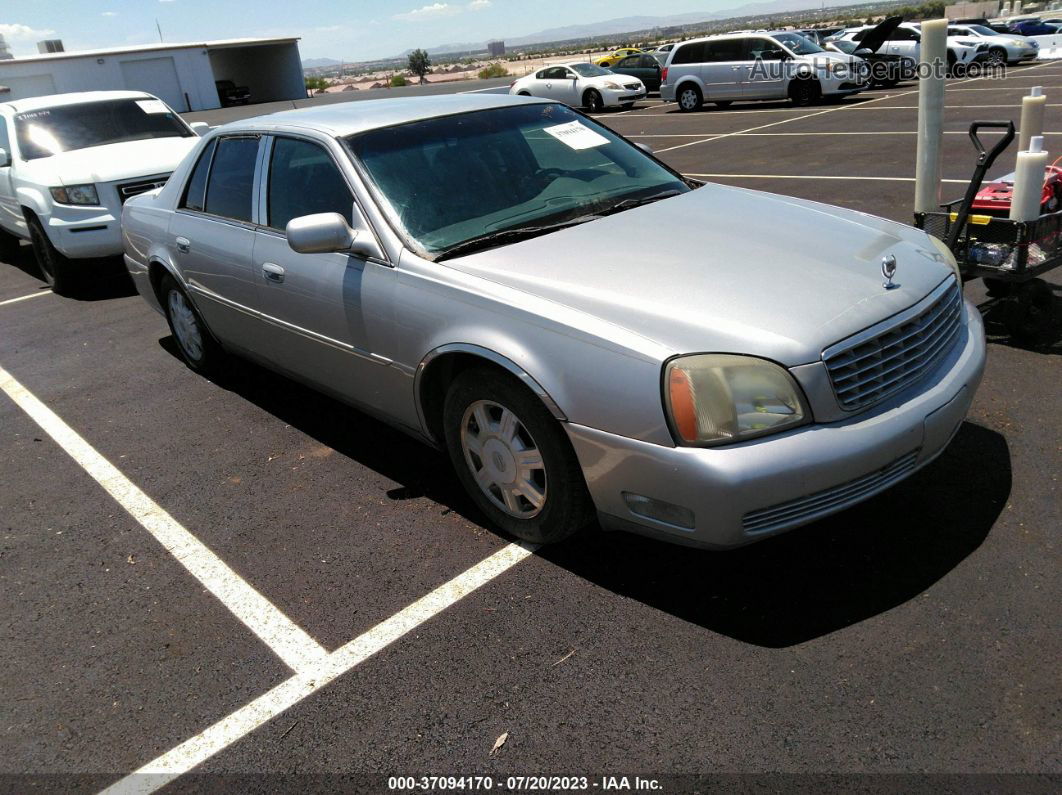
621, 97
84, 232
744, 492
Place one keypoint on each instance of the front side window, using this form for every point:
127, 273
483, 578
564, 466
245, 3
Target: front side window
556, 73
449, 180
230, 189
765, 49
49, 131
304, 180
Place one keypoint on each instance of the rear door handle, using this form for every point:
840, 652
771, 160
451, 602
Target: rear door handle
273, 272
183, 244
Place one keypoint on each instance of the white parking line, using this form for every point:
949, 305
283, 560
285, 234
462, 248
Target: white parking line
298, 650
25, 297
812, 176
225, 732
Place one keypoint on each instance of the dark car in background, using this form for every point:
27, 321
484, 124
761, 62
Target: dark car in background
231, 94
645, 67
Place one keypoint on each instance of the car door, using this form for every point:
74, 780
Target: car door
326, 313
10, 217
212, 236
560, 84
766, 78
648, 71
726, 68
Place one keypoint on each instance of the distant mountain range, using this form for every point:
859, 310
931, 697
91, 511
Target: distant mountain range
318, 63
636, 23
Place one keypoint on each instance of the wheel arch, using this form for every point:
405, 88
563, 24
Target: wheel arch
32, 200
441, 365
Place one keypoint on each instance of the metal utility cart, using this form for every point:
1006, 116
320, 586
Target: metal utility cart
1008, 255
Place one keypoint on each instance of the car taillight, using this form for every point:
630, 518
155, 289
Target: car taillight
663, 75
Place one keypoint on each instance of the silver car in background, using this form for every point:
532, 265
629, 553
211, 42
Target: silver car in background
584, 331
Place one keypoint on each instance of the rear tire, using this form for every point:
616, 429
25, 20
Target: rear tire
56, 269
195, 343
593, 102
688, 98
9, 245
513, 458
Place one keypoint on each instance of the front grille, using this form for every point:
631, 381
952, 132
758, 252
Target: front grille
632, 86
805, 509
865, 370
129, 189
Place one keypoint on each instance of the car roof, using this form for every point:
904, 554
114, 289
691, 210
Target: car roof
77, 98
347, 118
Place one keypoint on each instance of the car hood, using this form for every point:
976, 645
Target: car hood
111, 162
600, 80
877, 35
726, 270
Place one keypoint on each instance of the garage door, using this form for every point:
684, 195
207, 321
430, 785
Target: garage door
157, 76
28, 86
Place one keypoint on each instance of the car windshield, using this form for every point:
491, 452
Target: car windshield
588, 69
49, 131
447, 181
845, 46
797, 43
982, 30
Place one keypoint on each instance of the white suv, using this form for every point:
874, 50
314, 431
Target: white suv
67, 164
757, 66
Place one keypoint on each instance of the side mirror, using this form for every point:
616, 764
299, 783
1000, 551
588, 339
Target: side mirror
327, 233
200, 128
645, 148
5, 157
863, 52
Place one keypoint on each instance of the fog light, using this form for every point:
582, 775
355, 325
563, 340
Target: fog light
659, 511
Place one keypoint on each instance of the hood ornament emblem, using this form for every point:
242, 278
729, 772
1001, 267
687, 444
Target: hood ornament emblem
888, 270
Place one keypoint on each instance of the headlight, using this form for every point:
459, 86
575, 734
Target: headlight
76, 194
948, 256
718, 398
613, 86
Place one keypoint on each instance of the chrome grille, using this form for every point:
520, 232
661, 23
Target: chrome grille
865, 370
129, 189
821, 503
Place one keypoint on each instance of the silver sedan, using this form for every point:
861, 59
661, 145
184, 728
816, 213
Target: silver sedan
589, 335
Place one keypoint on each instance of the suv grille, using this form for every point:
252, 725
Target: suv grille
865, 371
129, 189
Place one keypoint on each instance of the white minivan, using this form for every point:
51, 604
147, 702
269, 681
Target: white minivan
67, 164
757, 66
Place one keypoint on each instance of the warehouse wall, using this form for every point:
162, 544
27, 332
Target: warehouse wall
272, 72
194, 88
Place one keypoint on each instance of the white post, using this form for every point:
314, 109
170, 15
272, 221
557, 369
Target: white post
933, 64
1032, 117
1029, 182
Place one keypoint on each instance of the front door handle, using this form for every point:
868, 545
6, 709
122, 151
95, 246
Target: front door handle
183, 244
273, 272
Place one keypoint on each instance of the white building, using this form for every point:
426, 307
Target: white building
184, 75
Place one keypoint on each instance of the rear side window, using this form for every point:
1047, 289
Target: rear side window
724, 50
195, 193
304, 180
231, 185
689, 53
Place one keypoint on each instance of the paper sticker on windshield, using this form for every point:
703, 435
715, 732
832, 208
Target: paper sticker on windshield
152, 106
576, 135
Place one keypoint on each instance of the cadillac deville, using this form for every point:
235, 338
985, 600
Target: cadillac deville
585, 332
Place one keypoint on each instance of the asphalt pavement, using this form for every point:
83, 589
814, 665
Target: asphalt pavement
907, 644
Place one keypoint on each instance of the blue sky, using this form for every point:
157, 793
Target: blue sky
341, 29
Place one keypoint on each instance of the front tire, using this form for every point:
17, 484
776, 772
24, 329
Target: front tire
593, 102
997, 56
56, 269
689, 98
804, 92
513, 458
197, 346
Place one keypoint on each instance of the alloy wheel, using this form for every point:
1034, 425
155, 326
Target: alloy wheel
504, 459
688, 99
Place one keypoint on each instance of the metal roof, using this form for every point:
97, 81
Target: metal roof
218, 44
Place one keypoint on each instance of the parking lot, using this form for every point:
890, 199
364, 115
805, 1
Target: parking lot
248, 578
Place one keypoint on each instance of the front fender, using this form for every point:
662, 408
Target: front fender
35, 200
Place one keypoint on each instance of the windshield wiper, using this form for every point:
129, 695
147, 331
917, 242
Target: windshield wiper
627, 204
513, 235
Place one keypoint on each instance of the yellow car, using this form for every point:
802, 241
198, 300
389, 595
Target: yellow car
615, 55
